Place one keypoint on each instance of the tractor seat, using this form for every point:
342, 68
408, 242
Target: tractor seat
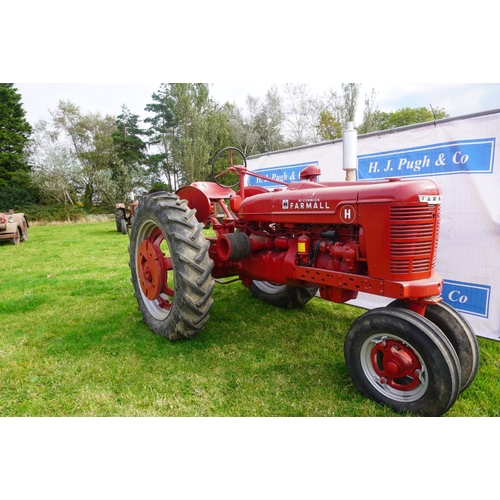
213, 190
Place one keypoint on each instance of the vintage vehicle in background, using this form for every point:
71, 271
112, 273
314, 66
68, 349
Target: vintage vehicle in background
309, 238
13, 227
123, 216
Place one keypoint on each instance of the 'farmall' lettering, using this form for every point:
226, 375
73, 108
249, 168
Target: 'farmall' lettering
430, 199
304, 205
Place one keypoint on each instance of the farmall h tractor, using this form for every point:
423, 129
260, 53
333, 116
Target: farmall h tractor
308, 238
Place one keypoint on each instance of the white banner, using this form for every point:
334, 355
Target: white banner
460, 155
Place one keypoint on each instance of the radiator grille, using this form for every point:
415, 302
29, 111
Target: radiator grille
413, 237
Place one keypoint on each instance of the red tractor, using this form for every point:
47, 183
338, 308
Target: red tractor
308, 238
123, 216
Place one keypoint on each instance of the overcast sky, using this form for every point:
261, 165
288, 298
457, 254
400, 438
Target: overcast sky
107, 98
200, 41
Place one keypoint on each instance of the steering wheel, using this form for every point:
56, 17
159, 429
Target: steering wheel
228, 177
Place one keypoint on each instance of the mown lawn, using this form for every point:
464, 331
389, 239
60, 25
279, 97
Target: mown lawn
73, 343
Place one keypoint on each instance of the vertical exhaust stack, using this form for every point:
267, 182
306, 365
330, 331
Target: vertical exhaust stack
350, 151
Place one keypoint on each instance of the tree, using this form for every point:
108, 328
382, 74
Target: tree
192, 148
14, 134
128, 171
368, 113
303, 113
186, 128
342, 106
350, 95
218, 134
160, 135
405, 116
267, 119
91, 136
328, 128
338, 109
243, 128
130, 147
54, 168
299, 118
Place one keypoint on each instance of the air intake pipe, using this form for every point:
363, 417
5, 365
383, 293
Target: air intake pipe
234, 246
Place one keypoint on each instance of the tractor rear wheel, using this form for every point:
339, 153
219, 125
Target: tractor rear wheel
459, 333
282, 296
400, 359
171, 270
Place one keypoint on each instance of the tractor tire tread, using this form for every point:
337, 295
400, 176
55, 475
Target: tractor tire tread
191, 266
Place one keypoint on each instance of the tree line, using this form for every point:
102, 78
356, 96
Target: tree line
93, 160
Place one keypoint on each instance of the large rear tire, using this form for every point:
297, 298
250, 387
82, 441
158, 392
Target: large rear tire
171, 270
459, 333
400, 359
282, 296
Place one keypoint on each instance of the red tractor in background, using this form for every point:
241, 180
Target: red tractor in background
123, 216
308, 238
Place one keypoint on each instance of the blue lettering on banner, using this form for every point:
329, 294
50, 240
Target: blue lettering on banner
457, 157
467, 297
285, 173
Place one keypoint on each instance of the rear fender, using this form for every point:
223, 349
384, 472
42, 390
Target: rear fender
201, 196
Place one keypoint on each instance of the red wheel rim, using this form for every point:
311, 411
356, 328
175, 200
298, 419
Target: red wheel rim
152, 268
396, 364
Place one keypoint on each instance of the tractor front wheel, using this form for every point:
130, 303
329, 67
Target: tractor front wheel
400, 359
171, 270
459, 333
282, 296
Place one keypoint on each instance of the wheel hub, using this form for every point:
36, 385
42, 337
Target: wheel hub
151, 269
396, 365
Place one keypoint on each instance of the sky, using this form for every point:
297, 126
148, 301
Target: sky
107, 98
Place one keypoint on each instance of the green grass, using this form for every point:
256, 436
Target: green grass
73, 343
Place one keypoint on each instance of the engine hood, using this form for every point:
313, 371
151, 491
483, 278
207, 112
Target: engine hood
312, 202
